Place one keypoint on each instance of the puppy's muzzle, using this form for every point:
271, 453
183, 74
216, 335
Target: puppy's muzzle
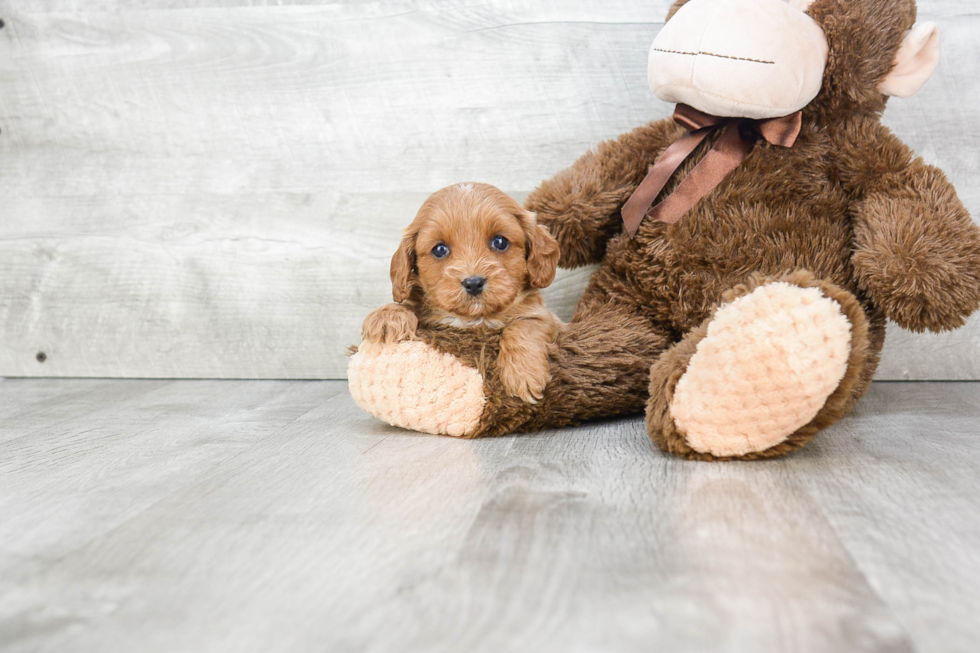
474, 285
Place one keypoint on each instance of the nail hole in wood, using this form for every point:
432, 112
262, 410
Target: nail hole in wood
41, 357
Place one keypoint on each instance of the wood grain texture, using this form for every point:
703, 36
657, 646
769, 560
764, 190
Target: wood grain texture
161, 435
273, 515
212, 188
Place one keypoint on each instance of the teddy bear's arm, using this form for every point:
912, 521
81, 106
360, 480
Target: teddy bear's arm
580, 205
917, 251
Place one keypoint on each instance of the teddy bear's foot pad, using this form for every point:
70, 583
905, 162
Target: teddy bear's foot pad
766, 367
413, 385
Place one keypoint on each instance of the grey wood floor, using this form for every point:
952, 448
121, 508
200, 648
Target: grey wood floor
275, 516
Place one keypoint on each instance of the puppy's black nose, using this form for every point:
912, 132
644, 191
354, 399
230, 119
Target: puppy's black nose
474, 285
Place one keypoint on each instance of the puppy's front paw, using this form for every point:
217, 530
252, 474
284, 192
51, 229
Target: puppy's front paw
524, 375
389, 324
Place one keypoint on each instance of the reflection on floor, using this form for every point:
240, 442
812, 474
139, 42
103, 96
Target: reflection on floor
268, 515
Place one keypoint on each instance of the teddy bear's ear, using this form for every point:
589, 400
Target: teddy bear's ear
915, 62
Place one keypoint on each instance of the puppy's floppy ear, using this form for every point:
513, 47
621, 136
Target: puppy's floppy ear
542, 251
403, 276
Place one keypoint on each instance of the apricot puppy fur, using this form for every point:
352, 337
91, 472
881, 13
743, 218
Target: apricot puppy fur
473, 258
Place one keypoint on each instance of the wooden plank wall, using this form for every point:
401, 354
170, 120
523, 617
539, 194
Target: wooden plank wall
214, 188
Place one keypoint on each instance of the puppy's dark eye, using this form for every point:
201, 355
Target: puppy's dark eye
441, 250
499, 243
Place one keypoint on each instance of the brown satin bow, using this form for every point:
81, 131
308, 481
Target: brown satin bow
736, 143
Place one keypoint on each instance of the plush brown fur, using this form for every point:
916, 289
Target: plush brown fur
848, 209
464, 219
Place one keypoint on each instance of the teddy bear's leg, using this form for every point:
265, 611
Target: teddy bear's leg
780, 359
600, 367
447, 385
415, 386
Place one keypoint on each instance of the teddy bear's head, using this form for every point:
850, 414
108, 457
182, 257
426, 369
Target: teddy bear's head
771, 58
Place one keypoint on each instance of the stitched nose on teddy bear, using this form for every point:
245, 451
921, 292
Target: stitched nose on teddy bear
766, 58
474, 285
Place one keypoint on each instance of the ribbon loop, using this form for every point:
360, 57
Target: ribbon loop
732, 148
782, 132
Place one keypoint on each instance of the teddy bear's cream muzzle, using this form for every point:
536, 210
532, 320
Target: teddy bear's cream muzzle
766, 58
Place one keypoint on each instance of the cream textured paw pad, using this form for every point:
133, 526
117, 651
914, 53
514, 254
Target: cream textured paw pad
765, 368
414, 386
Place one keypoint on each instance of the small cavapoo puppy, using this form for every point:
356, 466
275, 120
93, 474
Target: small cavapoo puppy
474, 258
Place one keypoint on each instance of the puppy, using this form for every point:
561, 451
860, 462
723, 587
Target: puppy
474, 258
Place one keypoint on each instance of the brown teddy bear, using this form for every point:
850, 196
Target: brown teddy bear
749, 251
